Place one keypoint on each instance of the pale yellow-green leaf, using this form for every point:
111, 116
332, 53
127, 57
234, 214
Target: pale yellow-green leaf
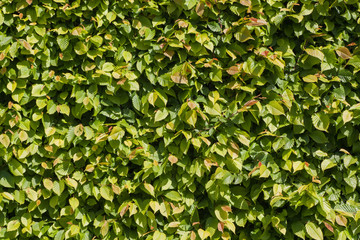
159, 236
107, 193
5, 140
315, 53
48, 183
275, 108
31, 194
23, 136
314, 231
347, 116
191, 117
13, 225
74, 203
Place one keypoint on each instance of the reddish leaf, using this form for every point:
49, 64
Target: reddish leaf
233, 70
245, 2
328, 226
256, 22
226, 208
221, 226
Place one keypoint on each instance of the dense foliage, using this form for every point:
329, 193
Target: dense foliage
179, 119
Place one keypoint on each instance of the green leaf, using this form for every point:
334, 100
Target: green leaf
96, 40
13, 225
127, 56
16, 168
321, 121
37, 90
159, 236
191, 117
319, 137
104, 228
221, 214
24, 69
74, 230
275, 108
314, 231
64, 109
111, 16
48, 184
327, 164
150, 189
174, 196
189, 4
161, 114
243, 35
6, 179
63, 41
202, 38
355, 62
216, 75
19, 196
80, 48
107, 193
108, 67
31, 194
74, 203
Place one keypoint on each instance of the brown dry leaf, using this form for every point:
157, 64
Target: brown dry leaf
250, 103
344, 52
200, 9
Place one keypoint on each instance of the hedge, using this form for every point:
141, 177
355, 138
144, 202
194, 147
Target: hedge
183, 119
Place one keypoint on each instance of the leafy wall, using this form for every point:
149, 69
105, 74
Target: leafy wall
179, 119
